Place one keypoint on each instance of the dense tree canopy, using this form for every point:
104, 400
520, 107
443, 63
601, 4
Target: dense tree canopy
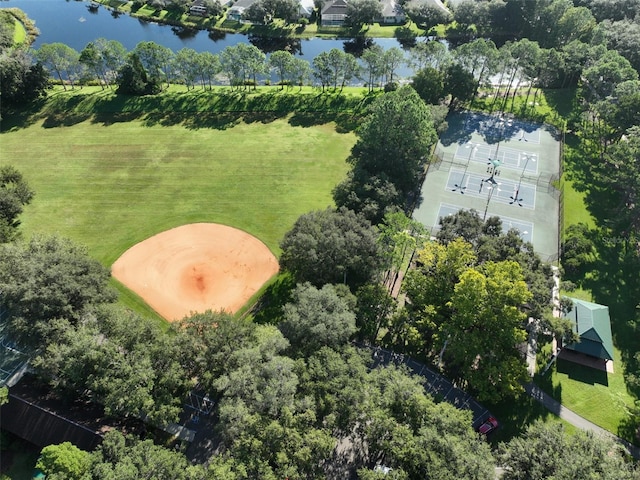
21, 81
128, 458
61, 60
133, 78
395, 138
491, 244
264, 11
485, 329
49, 278
546, 451
317, 318
14, 195
390, 155
362, 12
122, 361
619, 175
64, 462
332, 246
470, 309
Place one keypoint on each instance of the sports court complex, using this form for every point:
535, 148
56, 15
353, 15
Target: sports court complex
499, 167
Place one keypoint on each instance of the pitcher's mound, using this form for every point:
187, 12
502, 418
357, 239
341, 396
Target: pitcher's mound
197, 267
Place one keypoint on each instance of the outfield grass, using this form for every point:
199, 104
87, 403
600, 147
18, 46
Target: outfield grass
111, 180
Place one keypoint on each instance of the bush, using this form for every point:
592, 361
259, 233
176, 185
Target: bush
391, 87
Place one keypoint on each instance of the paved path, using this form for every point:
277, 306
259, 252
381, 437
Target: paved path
576, 420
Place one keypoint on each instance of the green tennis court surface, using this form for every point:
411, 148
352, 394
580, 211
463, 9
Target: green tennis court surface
499, 167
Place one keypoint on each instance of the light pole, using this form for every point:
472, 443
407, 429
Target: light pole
501, 124
461, 185
515, 198
493, 184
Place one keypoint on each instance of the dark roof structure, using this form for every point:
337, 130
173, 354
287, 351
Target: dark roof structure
337, 7
592, 323
37, 415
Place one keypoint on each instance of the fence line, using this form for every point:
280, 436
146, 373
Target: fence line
434, 384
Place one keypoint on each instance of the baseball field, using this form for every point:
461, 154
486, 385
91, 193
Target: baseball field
113, 179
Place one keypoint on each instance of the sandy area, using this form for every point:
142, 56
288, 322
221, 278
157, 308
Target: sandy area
196, 267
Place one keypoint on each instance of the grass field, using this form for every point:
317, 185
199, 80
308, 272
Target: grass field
599, 397
110, 182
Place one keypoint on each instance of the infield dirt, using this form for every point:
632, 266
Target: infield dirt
196, 267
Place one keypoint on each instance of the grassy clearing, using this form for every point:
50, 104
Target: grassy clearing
112, 171
600, 397
575, 210
540, 105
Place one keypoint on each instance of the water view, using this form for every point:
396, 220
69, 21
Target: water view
73, 23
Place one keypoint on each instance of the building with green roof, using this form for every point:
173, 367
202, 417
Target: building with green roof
592, 324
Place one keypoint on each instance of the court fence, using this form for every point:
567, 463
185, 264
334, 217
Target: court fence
436, 385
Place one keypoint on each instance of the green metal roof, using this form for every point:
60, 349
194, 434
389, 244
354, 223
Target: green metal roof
591, 322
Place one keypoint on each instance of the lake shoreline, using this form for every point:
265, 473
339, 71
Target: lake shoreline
223, 26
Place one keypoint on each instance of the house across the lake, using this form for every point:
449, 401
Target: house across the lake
592, 324
392, 13
198, 8
334, 13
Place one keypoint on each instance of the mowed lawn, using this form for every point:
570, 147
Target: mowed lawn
111, 185
601, 398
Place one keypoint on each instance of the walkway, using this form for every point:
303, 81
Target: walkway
576, 420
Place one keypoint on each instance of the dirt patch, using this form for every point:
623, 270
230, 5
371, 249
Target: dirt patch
196, 267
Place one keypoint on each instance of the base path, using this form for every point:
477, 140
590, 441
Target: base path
196, 267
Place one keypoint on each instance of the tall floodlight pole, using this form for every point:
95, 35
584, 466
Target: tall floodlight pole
493, 172
515, 198
501, 124
461, 186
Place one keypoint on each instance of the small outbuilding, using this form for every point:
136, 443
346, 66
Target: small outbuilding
592, 324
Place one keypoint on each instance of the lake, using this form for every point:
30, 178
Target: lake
72, 23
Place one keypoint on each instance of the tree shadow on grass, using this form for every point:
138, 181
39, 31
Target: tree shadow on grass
219, 110
562, 100
64, 119
614, 282
274, 298
582, 373
515, 415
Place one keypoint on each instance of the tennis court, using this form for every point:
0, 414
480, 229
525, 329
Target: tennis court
504, 190
498, 167
508, 157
